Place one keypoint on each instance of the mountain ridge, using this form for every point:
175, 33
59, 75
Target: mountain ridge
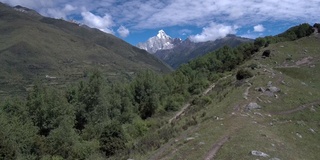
175, 51
39, 46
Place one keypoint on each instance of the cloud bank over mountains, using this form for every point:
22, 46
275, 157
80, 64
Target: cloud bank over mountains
213, 32
109, 15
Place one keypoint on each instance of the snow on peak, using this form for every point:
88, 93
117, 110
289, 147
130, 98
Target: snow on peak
162, 35
160, 42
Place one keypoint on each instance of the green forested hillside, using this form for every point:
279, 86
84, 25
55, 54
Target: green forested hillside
187, 50
58, 52
205, 102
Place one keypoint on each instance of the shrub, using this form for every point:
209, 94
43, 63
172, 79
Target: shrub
266, 53
243, 74
112, 139
260, 42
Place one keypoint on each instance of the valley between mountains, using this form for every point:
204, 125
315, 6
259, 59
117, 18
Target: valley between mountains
69, 91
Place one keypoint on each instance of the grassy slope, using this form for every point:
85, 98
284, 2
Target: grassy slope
33, 47
276, 135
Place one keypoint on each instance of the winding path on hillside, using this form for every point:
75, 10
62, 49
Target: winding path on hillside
300, 108
188, 104
215, 148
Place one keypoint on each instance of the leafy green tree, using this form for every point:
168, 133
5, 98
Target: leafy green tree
87, 98
147, 90
61, 140
47, 108
17, 134
260, 42
121, 105
296, 32
112, 139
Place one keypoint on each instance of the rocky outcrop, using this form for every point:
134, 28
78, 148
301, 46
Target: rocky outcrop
259, 153
252, 106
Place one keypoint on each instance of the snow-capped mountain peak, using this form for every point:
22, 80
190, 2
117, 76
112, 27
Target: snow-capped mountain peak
160, 42
162, 35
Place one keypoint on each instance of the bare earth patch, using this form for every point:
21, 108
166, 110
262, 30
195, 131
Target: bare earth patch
215, 148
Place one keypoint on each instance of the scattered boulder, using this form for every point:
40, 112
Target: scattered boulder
274, 158
202, 143
312, 130
252, 106
189, 138
259, 153
260, 89
268, 93
273, 89
299, 135
312, 109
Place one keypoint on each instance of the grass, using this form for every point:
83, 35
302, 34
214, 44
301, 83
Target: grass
260, 130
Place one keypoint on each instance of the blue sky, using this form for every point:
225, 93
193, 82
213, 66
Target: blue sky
202, 20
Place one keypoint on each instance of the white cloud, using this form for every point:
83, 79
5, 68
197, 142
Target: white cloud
258, 28
151, 14
123, 31
69, 7
55, 13
213, 32
103, 23
240, 12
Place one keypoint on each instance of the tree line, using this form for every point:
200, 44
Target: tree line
94, 119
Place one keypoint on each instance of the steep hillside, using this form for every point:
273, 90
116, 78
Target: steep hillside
272, 115
57, 52
187, 50
256, 101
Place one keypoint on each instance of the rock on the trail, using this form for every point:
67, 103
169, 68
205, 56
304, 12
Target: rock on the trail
189, 138
299, 135
260, 89
274, 158
312, 130
273, 89
202, 143
259, 153
252, 106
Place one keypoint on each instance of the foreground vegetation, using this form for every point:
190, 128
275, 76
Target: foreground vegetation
95, 119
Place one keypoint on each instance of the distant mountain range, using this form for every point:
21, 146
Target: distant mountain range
33, 47
175, 52
160, 42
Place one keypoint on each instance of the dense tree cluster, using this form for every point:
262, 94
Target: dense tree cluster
91, 118
94, 119
291, 34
